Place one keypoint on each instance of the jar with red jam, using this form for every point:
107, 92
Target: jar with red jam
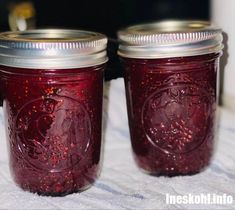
171, 72
52, 89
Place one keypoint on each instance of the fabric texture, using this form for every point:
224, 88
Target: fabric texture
121, 184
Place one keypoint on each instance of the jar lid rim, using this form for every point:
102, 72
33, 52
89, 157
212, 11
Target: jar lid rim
169, 38
53, 36
54, 48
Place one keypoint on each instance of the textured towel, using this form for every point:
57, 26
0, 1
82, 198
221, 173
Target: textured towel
122, 185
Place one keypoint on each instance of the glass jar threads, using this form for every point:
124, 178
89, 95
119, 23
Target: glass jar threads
171, 88
52, 85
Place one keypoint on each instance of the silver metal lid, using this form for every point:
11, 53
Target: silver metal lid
169, 39
52, 48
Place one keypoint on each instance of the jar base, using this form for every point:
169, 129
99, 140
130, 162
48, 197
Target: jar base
170, 174
60, 194
158, 172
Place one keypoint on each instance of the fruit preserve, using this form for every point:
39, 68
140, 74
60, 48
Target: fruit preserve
171, 88
52, 85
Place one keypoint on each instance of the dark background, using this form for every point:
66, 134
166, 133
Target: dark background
107, 16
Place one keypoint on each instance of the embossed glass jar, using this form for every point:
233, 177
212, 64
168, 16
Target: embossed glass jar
52, 88
171, 86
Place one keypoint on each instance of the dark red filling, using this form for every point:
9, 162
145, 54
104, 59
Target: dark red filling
53, 123
171, 109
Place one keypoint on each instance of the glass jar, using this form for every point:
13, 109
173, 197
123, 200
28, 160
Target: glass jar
171, 88
52, 89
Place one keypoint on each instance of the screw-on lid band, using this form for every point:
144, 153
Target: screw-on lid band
52, 48
169, 39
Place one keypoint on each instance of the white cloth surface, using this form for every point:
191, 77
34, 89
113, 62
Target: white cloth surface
121, 184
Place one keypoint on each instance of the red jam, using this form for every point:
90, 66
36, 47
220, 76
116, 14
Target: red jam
53, 123
171, 107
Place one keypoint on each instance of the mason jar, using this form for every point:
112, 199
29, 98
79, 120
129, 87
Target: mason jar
171, 89
52, 88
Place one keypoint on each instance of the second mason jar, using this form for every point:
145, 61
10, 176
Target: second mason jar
171, 72
52, 85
